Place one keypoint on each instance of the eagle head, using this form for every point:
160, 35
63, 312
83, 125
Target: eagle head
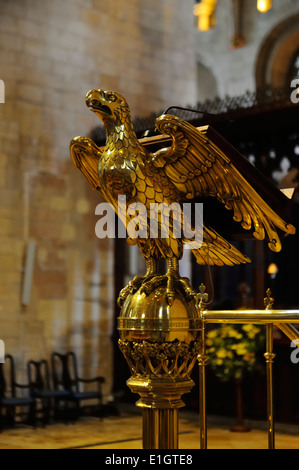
110, 106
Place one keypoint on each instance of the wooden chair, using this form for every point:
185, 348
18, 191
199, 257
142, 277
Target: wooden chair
66, 377
15, 403
54, 403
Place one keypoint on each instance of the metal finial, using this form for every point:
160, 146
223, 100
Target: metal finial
268, 301
202, 296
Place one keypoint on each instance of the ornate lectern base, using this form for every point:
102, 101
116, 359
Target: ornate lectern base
160, 343
160, 401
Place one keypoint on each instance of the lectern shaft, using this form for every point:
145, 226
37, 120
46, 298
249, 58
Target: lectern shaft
160, 428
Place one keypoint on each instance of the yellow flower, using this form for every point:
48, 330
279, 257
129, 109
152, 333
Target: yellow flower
221, 353
212, 334
247, 327
251, 330
219, 362
224, 331
241, 349
234, 334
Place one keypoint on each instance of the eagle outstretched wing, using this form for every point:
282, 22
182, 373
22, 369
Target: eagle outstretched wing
215, 250
198, 168
86, 154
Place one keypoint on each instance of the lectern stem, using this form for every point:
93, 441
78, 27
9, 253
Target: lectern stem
160, 428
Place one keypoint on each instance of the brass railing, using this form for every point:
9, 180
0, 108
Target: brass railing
269, 317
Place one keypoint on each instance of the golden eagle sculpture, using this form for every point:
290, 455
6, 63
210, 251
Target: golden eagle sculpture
191, 168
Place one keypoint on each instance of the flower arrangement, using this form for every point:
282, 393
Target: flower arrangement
232, 349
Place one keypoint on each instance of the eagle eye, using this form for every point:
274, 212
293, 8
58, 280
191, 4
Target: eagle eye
111, 97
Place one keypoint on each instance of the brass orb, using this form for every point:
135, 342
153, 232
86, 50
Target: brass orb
150, 318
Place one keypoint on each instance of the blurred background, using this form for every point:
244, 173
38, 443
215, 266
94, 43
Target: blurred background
235, 60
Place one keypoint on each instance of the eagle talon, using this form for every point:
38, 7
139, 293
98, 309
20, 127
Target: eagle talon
170, 296
151, 283
131, 288
123, 295
189, 292
169, 280
136, 283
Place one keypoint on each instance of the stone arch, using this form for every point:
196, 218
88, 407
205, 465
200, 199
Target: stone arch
276, 54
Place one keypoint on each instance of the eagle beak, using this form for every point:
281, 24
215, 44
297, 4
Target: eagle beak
96, 102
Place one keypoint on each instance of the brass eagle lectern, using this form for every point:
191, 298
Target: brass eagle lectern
160, 323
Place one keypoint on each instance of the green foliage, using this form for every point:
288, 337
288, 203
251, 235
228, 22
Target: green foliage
233, 349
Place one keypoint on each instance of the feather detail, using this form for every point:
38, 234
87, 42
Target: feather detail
201, 169
86, 155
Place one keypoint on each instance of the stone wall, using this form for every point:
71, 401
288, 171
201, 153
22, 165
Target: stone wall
51, 54
235, 70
